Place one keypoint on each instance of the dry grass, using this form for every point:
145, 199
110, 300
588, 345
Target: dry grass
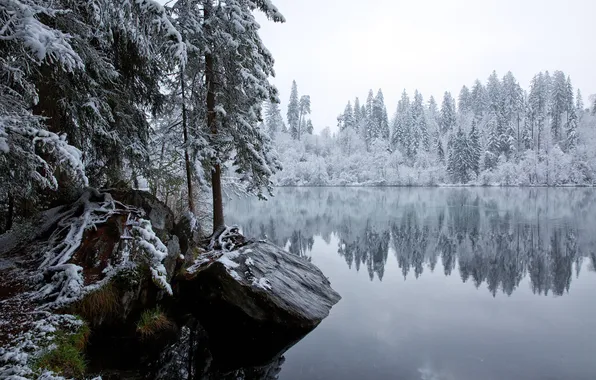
152, 323
99, 304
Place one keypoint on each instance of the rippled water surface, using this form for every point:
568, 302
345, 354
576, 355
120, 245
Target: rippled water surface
441, 283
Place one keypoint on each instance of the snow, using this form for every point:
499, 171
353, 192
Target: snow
249, 261
262, 283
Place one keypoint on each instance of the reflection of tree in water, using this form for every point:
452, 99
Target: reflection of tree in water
493, 237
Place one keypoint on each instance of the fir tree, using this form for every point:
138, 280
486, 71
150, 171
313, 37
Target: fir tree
478, 100
474, 149
294, 111
579, 102
348, 118
420, 128
234, 51
448, 115
303, 110
357, 112
273, 119
440, 151
379, 117
464, 100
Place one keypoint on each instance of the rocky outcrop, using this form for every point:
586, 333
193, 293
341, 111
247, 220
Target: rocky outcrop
117, 260
256, 296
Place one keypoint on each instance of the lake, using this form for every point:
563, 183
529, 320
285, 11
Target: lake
441, 283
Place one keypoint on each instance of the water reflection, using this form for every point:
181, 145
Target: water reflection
486, 236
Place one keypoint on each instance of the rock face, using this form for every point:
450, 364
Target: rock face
257, 296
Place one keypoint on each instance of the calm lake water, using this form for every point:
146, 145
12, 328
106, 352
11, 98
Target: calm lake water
446, 283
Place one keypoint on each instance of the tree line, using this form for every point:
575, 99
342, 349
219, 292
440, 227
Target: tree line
492, 127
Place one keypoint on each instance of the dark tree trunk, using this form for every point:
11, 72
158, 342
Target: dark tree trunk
191, 201
218, 216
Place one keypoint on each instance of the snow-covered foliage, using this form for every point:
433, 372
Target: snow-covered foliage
499, 135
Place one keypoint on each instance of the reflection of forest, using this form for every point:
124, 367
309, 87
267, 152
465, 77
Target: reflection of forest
492, 236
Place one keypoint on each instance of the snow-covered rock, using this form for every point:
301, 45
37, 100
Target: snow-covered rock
257, 295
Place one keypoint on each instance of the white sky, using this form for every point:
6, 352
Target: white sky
339, 49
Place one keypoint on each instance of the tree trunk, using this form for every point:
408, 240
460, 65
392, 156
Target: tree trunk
191, 201
218, 216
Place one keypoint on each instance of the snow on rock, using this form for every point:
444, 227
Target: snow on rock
267, 295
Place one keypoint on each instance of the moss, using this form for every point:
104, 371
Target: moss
153, 322
65, 357
99, 304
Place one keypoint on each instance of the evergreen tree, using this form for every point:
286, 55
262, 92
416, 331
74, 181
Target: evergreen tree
440, 151
369, 127
294, 112
379, 117
234, 52
493, 145
348, 118
448, 116
458, 164
273, 119
478, 100
464, 100
579, 102
357, 112
513, 110
494, 93
474, 149
558, 104
309, 127
537, 109
303, 110
420, 133
402, 124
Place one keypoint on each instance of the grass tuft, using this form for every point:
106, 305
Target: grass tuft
66, 356
153, 322
99, 304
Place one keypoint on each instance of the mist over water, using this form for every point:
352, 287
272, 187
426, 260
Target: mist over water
441, 283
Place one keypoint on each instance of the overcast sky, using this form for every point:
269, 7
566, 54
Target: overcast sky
339, 49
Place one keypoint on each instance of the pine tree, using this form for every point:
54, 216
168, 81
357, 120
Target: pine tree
579, 102
348, 118
294, 112
420, 128
273, 119
474, 149
402, 124
369, 127
537, 109
303, 110
309, 127
440, 151
379, 117
558, 104
493, 145
234, 52
464, 100
458, 164
448, 116
478, 100
357, 112
572, 118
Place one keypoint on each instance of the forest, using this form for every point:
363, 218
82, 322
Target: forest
495, 133
113, 94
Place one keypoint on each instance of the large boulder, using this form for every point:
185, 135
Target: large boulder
256, 296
